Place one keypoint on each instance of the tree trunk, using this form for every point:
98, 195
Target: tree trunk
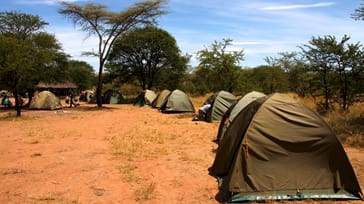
345, 93
30, 96
99, 87
17, 103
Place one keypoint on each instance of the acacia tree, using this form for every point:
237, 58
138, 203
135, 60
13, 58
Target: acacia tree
28, 55
337, 63
220, 65
146, 54
358, 13
95, 19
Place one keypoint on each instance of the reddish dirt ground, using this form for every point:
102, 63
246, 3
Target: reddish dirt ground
117, 154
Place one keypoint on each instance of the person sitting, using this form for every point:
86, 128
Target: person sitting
202, 112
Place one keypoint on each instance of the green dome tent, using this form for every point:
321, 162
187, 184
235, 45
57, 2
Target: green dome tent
45, 100
112, 97
157, 102
220, 102
176, 102
145, 98
277, 148
234, 109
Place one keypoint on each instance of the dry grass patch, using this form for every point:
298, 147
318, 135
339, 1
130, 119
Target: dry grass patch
348, 126
131, 145
127, 147
128, 173
146, 193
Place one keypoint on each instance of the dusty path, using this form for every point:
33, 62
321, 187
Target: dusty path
118, 154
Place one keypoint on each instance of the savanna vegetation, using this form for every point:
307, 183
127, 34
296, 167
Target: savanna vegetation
329, 70
128, 154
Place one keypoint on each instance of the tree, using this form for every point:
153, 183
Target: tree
108, 26
358, 13
148, 54
81, 73
220, 65
269, 79
337, 63
296, 69
28, 54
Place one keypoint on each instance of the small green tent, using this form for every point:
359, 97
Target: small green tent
220, 102
145, 98
112, 97
277, 148
45, 100
176, 102
234, 109
157, 102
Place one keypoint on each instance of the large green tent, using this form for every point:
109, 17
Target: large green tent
220, 102
176, 102
277, 148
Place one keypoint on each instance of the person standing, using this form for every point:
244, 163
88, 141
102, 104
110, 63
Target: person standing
71, 96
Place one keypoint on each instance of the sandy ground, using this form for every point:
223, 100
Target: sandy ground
117, 154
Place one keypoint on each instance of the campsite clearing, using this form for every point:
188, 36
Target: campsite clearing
115, 154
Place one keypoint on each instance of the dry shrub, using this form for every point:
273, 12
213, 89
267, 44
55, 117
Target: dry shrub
128, 172
348, 126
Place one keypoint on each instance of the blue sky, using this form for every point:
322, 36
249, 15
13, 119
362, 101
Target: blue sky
262, 28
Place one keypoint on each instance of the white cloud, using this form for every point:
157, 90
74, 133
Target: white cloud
297, 6
74, 43
46, 2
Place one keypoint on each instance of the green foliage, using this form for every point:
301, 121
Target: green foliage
218, 66
149, 55
95, 19
20, 25
359, 13
296, 69
28, 55
266, 79
82, 74
339, 69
